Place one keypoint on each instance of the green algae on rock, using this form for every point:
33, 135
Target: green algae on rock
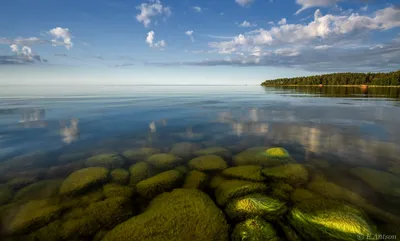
39, 190
182, 169
208, 163
180, 215
216, 181
164, 161
289, 232
50, 232
109, 161
249, 172
219, 151
163, 182
281, 190
294, 174
100, 235
83, 179
301, 194
320, 219
277, 152
139, 172
5, 194
254, 205
257, 156
120, 176
141, 154
19, 182
236, 188
382, 182
254, 229
115, 190
185, 149
195, 179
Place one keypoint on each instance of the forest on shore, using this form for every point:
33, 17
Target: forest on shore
378, 79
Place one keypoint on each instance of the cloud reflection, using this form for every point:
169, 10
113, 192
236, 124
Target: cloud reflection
70, 133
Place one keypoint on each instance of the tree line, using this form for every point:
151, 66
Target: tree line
383, 79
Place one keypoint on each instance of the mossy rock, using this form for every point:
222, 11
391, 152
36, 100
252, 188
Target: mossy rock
181, 215
5, 194
281, 190
254, 205
254, 229
182, 169
115, 190
237, 188
257, 156
277, 152
216, 181
50, 232
91, 197
63, 170
83, 179
33, 215
39, 190
208, 163
382, 182
164, 161
141, 154
185, 149
163, 182
219, 151
100, 235
97, 216
139, 172
321, 219
289, 232
109, 161
294, 174
120, 176
320, 163
195, 179
19, 182
301, 194
250, 172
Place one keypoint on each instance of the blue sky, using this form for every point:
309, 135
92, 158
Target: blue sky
193, 41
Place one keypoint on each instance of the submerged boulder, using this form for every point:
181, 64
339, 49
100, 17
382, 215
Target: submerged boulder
281, 190
258, 156
294, 174
255, 229
182, 169
20, 182
110, 161
163, 182
181, 215
195, 179
164, 161
208, 163
141, 154
120, 176
50, 232
185, 149
115, 190
139, 172
39, 190
237, 188
83, 179
216, 181
301, 194
5, 194
254, 205
250, 172
219, 151
321, 219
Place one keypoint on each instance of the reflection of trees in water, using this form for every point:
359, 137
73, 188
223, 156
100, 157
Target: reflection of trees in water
70, 133
33, 118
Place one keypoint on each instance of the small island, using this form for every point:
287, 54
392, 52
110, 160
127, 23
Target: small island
391, 79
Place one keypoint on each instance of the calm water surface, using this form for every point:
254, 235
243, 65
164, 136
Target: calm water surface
348, 127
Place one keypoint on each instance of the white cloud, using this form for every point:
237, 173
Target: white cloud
190, 34
151, 9
305, 4
160, 44
246, 24
271, 22
282, 21
365, 8
14, 48
197, 9
26, 51
244, 2
150, 41
63, 34
325, 46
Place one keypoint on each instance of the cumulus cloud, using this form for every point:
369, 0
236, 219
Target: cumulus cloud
63, 34
151, 9
197, 9
14, 48
246, 24
282, 21
305, 4
190, 34
244, 3
150, 41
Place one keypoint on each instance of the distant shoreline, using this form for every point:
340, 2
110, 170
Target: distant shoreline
360, 86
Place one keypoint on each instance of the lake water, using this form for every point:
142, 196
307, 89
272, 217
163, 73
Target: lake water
347, 138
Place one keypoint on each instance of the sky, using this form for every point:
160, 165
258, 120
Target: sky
167, 42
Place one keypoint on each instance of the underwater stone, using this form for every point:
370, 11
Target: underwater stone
72, 157
115, 190
219, 151
19, 182
301, 194
321, 219
321, 163
163, 182
100, 235
255, 229
254, 205
50, 232
120, 176
382, 182
195, 179
141, 154
182, 169
63, 170
109, 161
164, 160
184, 149
257, 156
216, 181
208, 163
139, 172
181, 215
294, 174
281, 190
250, 172
277, 152
289, 232
237, 188
5, 194
83, 179
39, 190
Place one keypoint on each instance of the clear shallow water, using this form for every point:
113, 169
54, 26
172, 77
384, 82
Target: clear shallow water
347, 127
